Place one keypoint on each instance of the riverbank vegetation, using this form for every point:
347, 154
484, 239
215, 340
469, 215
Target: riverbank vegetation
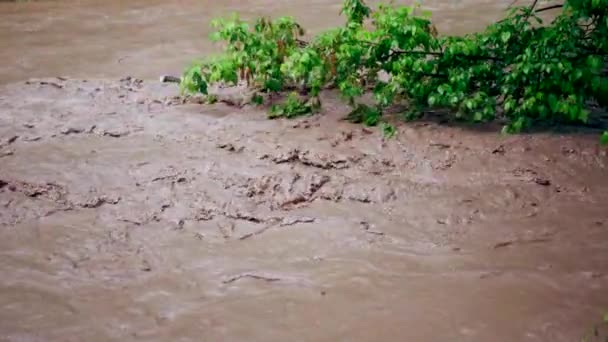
520, 70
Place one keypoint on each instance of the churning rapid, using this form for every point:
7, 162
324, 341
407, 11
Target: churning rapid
127, 214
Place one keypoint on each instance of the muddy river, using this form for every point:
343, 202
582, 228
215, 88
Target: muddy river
128, 215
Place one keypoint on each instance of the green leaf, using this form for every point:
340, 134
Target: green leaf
364, 114
469, 104
505, 36
202, 88
272, 84
371, 120
583, 115
388, 130
518, 125
553, 103
594, 62
478, 116
257, 99
509, 105
275, 112
604, 141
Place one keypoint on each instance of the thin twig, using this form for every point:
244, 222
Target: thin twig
533, 6
252, 276
257, 232
433, 53
548, 8
513, 3
531, 9
439, 54
520, 241
301, 42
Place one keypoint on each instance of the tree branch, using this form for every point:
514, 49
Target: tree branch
533, 6
548, 8
433, 53
531, 9
439, 54
301, 42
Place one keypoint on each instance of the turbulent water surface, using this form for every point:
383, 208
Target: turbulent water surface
126, 214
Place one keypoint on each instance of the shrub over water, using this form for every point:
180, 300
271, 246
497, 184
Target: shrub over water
519, 69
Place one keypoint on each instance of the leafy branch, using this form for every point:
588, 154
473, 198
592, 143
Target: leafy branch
514, 70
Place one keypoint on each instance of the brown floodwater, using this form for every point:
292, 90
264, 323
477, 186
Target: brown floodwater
145, 38
128, 215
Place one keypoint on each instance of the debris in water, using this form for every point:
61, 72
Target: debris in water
440, 145
522, 242
115, 134
230, 147
32, 139
321, 161
290, 221
12, 139
499, 150
56, 85
146, 266
96, 202
6, 153
246, 236
367, 227
542, 181
72, 130
503, 244
204, 214
227, 229
249, 275
169, 79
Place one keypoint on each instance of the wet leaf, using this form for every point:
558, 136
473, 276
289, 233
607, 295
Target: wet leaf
604, 141
388, 130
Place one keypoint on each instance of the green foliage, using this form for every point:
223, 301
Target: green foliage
292, 107
519, 69
355, 10
388, 130
210, 99
364, 114
604, 138
192, 80
257, 99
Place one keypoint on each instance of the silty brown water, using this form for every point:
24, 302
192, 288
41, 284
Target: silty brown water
126, 215
146, 38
